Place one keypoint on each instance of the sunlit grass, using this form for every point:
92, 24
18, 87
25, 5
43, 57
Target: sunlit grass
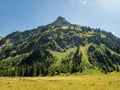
79, 82
61, 56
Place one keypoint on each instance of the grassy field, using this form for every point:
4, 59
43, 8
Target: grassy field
79, 82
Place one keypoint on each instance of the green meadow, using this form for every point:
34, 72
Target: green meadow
70, 82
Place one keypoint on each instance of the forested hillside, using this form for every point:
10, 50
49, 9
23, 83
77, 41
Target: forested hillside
59, 48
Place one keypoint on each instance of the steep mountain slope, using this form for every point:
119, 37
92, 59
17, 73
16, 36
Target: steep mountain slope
0, 37
59, 47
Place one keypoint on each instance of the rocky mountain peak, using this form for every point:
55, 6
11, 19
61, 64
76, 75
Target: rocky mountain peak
61, 21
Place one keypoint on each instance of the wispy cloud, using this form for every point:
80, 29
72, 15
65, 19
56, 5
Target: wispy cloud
85, 2
81, 2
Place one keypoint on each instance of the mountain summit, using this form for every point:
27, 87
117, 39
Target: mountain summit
59, 48
61, 21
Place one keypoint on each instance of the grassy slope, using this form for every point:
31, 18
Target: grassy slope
85, 63
83, 82
86, 66
61, 56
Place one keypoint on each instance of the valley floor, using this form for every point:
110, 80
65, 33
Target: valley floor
79, 82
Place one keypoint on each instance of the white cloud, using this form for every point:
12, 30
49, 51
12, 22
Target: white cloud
113, 33
85, 2
82, 2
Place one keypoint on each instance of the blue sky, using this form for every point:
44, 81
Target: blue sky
20, 15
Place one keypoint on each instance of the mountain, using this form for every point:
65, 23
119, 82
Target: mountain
0, 37
60, 21
59, 48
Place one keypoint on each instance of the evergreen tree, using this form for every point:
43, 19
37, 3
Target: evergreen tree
117, 68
